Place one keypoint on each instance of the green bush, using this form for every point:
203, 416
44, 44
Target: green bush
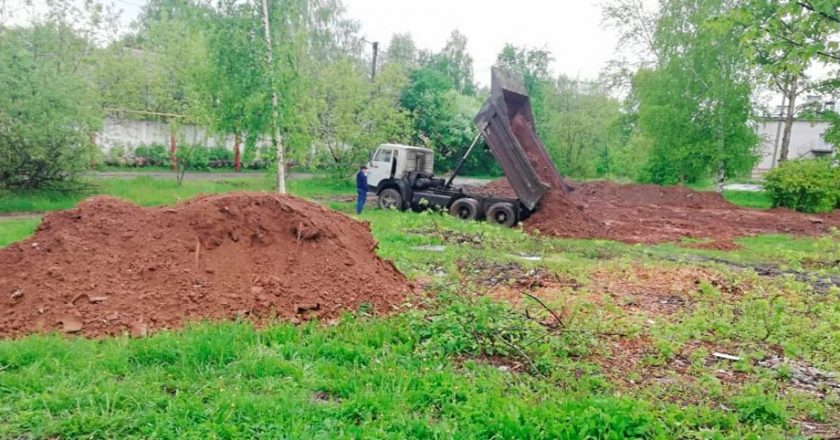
155, 154
220, 154
193, 157
48, 109
807, 185
116, 156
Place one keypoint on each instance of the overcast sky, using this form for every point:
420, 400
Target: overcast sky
571, 30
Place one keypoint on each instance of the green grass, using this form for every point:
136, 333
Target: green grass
148, 191
749, 199
145, 191
432, 371
379, 378
416, 375
320, 187
15, 229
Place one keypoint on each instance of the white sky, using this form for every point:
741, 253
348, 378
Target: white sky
571, 30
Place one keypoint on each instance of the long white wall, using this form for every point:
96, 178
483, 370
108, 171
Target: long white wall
133, 133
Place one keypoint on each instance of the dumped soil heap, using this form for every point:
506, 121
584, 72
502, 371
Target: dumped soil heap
109, 267
629, 213
656, 214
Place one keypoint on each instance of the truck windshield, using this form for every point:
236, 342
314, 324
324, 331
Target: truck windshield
382, 155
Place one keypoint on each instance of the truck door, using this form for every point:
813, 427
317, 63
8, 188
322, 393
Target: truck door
380, 166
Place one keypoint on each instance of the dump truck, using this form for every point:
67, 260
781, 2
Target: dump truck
402, 176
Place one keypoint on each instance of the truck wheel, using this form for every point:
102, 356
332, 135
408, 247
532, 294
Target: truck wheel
390, 198
465, 209
501, 214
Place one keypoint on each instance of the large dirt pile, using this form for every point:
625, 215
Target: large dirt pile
652, 214
655, 214
108, 267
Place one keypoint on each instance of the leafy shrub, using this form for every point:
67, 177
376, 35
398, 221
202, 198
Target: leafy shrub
47, 110
756, 405
193, 157
219, 153
220, 157
116, 156
155, 154
807, 185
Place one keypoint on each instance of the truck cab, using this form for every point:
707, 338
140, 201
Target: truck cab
395, 161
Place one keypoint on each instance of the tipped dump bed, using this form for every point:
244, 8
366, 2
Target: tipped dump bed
507, 124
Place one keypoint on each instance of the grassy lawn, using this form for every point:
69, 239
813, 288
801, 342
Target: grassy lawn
620, 345
364, 378
147, 191
749, 199
14, 229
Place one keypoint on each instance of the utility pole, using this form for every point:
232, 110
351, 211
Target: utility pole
277, 143
373, 64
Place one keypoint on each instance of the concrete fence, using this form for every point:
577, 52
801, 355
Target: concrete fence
132, 133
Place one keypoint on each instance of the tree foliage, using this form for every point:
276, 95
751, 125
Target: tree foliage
48, 102
694, 105
355, 115
784, 39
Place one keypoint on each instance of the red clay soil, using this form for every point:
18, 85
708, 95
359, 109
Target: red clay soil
108, 267
656, 214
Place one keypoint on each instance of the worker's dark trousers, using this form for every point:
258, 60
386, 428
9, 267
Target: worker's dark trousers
360, 201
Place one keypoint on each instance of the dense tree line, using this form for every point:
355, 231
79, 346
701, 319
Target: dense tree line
688, 72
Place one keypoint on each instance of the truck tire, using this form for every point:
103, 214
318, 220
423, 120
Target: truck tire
465, 209
390, 198
501, 214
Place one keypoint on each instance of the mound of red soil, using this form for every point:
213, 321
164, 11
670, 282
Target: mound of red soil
656, 214
109, 267
652, 214
558, 213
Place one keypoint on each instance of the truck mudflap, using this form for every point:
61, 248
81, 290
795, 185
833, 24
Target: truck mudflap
507, 124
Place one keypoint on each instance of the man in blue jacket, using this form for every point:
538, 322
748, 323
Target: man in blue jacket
361, 188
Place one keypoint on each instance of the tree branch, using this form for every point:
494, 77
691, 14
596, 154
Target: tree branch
835, 57
807, 5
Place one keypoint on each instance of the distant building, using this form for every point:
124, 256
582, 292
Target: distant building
806, 141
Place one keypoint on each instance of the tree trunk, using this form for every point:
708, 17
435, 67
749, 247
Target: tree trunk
236, 152
173, 159
275, 130
775, 158
791, 93
721, 167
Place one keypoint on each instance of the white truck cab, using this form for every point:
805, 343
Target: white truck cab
395, 161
